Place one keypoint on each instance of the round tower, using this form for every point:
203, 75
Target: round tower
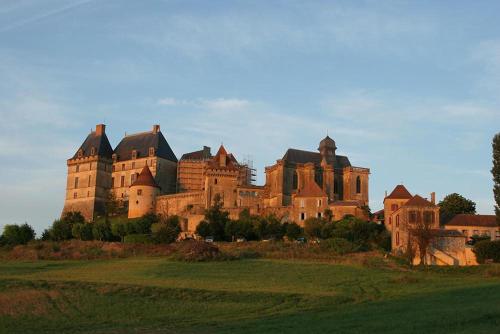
327, 149
142, 195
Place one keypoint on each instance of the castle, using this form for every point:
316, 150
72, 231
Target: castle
144, 173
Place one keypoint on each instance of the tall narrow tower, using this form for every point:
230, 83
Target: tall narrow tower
89, 175
327, 150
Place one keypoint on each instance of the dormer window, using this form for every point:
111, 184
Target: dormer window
114, 157
80, 153
92, 151
151, 151
134, 154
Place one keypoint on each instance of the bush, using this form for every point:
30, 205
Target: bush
82, 231
487, 250
204, 229
313, 227
293, 231
137, 239
101, 230
17, 234
339, 246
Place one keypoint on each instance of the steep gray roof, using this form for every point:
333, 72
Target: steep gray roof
141, 142
99, 142
302, 157
198, 155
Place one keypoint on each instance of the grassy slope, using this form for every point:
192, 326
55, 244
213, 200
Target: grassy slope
157, 295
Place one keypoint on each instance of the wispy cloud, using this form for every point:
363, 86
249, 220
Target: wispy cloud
217, 104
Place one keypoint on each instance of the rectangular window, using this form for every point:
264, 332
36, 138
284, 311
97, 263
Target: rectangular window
302, 203
132, 178
90, 178
113, 168
412, 217
397, 238
112, 182
397, 221
123, 166
319, 214
122, 181
77, 168
319, 203
428, 217
139, 192
76, 182
75, 195
302, 216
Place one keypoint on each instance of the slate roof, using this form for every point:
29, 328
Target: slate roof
145, 178
400, 192
311, 190
473, 220
198, 155
99, 142
418, 201
302, 157
141, 142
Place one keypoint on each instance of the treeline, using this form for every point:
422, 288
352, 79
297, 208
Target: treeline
349, 233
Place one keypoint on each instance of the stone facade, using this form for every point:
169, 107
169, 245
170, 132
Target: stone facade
96, 169
301, 185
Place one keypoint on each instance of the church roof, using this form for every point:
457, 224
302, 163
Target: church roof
311, 189
145, 178
400, 192
302, 157
141, 142
98, 141
418, 201
474, 220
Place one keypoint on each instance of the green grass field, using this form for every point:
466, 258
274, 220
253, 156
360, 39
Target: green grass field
157, 295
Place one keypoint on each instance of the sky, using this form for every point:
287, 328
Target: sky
409, 89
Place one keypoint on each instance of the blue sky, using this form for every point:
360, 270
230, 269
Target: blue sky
408, 89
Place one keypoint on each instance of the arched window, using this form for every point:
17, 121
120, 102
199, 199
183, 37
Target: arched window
295, 181
358, 185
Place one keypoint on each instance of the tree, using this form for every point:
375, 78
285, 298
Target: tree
61, 229
119, 229
82, 231
313, 227
496, 174
217, 218
204, 229
422, 233
101, 230
167, 230
17, 234
328, 214
454, 204
112, 205
293, 231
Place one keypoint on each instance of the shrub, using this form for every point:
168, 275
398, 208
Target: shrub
17, 234
204, 229
82, 231
137, 239
339, 246
197, 251
487, 250
101, 230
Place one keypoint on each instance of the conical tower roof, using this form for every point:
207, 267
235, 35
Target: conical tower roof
145, 178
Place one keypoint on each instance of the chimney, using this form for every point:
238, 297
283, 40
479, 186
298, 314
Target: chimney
156, 128
100, 129
433, 197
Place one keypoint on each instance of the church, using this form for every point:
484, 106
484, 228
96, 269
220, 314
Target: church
143, 173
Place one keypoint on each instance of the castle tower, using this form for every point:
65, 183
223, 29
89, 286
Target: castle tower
142, 194
221, 177
89, 175
327, 150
